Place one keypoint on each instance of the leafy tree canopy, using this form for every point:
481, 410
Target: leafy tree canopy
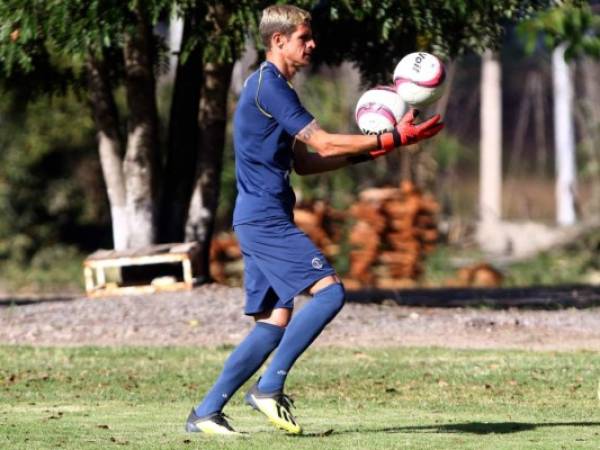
371, 33
572, 23
31, 31
374, 34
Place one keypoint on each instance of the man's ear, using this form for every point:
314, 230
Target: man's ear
277, 40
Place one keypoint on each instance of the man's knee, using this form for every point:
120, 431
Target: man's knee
278, 322
334, 295
323, 283
279, 317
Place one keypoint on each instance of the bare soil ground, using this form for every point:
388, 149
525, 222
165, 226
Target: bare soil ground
211, 315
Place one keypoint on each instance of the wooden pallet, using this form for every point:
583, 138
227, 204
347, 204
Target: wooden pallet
164, 267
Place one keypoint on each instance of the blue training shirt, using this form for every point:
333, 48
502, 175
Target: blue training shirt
267, 117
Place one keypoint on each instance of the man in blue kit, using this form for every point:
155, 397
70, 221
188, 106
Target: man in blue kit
271, 133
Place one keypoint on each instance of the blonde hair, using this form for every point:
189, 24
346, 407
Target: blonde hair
282, 19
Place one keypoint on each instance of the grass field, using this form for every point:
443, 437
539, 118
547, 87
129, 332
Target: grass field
347, 399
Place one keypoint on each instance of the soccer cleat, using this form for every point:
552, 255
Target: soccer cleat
276, 406
215, 423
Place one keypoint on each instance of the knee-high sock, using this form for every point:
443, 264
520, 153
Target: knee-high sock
245, 360
300, 333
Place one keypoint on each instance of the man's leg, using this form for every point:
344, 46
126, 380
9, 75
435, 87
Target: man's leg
327, 301
291, 263
246, 359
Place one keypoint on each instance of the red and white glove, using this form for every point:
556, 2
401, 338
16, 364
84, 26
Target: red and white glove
407, 132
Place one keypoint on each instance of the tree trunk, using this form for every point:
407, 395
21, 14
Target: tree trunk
490, 165
564, 138
212, 121
489, 234
141, 165
106, 118
182, 147
591, 116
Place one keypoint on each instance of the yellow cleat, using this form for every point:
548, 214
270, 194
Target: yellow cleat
276, 406
214, 424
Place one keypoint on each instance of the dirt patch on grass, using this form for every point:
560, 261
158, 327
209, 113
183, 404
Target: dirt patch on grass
211, 315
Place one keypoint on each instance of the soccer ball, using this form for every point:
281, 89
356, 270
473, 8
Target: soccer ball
378, 110
420, 79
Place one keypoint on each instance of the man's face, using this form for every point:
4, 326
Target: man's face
297, 48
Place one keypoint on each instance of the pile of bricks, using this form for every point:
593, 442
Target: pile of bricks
225, 258
322, 225
395, 228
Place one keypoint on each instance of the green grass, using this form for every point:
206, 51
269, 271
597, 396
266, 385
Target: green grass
347, 399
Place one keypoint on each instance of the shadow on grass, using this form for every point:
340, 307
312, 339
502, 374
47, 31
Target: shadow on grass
469, 427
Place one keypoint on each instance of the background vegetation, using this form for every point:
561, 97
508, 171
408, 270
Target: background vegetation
53, 203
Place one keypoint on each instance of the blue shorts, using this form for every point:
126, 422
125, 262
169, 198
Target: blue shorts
280, 262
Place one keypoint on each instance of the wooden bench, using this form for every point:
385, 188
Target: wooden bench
164, 267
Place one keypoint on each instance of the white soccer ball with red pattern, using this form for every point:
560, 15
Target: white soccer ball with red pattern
378, 110
420, 79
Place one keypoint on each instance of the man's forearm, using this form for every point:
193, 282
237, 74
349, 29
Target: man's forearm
315, 163
330, 145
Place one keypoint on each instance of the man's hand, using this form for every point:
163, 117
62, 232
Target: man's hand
407, 132
410, 133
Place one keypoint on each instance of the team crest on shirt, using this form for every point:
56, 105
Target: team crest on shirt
317, 263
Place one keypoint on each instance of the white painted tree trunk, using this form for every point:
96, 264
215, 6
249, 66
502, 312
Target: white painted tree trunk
490, 164
110, 149
111, 163
139, 204
564, 138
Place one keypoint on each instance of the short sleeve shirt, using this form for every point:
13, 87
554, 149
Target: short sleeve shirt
267, 118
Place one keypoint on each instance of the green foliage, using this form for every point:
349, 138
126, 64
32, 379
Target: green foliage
449, 153
330, 99
383, 31
74, 29
571, 23
572, 264
347, 399
53, 268
380, 30
51, 188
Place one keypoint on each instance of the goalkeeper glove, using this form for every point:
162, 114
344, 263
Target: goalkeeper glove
406, 132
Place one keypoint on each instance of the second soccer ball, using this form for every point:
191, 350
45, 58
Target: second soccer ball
420, 79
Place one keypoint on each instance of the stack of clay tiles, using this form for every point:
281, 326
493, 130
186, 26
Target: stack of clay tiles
224, 249
394, 230
321, 223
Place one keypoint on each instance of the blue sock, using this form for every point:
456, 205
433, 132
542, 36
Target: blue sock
245, 360
300, 333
